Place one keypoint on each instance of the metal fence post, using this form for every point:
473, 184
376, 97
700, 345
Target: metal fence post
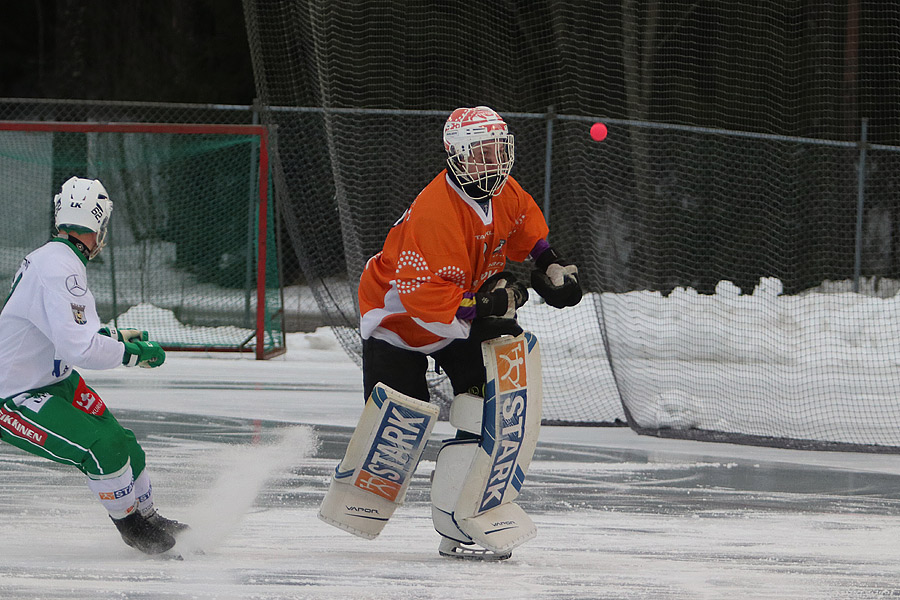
860, 202
548, 155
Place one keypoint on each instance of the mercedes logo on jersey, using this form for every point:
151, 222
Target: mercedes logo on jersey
75, 286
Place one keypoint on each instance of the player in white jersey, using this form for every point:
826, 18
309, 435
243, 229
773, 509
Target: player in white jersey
48, 327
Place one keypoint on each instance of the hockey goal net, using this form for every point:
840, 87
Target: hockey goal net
192, 256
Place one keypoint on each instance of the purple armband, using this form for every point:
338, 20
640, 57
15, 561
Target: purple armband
466, 310
539, 248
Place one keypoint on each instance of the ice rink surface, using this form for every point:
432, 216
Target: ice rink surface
243, 450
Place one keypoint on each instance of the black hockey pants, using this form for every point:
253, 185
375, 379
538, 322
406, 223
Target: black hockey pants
405, 370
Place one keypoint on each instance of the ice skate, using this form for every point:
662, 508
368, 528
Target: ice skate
454, 549
142, 534
170, 526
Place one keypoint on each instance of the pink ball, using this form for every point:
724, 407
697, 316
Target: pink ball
598, 132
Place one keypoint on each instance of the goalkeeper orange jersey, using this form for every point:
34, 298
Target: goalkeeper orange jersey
443, 246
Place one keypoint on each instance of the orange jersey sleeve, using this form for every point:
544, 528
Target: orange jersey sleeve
444, 245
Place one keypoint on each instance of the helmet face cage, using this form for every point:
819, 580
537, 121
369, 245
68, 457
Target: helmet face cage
83, 206
480, 150
486, 165
102, 232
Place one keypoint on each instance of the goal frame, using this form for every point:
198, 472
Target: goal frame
260, 131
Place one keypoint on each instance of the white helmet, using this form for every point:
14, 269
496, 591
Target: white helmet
480, 150
83, 206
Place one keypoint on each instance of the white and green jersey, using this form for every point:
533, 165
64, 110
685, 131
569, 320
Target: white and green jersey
49, 323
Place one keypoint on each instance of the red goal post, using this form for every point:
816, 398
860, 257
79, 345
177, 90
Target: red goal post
167, 157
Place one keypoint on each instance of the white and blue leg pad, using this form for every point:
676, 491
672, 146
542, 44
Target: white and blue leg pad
372, 479
476, 480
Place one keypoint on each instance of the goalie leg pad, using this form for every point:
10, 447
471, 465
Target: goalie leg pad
381, 458
467, 412
450, 473
476, 481
453, 490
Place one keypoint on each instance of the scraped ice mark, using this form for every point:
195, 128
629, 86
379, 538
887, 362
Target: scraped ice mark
244, 470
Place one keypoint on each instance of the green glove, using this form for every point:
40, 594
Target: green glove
143, 354
125, 334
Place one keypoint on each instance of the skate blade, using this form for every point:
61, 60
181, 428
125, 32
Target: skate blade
453, 549
170, 554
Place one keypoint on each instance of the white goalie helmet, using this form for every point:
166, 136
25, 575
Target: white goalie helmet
480, 150
83, 206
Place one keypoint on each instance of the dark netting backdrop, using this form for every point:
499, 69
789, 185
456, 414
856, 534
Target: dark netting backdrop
735, 232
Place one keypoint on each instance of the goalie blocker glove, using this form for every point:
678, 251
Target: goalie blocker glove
494, 307
556, 280
143, 354
500, 296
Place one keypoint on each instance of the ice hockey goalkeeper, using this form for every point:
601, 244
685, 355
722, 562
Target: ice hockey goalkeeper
438, 288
